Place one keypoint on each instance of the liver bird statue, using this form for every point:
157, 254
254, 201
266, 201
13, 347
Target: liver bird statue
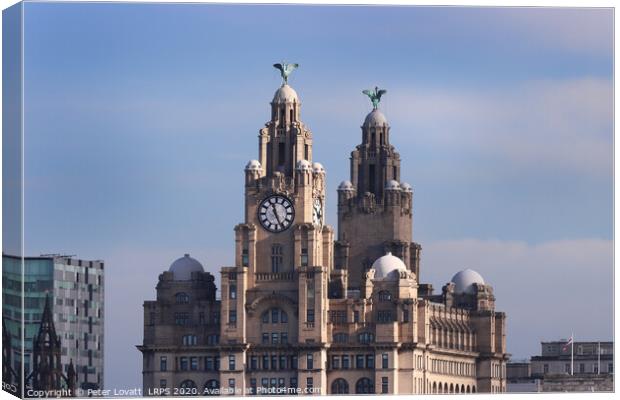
285, 70
375, 96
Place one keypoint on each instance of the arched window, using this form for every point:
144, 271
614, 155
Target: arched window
340, 386
182, 298
188, 388
212, 388
275, 315
364, 386
384, 295
366, 337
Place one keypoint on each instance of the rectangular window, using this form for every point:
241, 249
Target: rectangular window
293, 362
231, 363
356, 316
253, 362
345, 362
310, 315
282, 365
245, 259
163, 363
231, 384
294, 382
582, 368
265, 362
384, 360
232, 292
274, 362
359, 361
264, 382
232, 316
370, 361
184, 364
209, 364
304, 257
309, 383
217, 363
405, 315
335, 362
253, 386
162, 383
306, 152
276, 258
567, 368
274, 338
193, 363
384, 385
273, 382
309, 361
280, 382
275, 313
284, 338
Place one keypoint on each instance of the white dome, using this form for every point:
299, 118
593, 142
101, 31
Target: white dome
464, 281
406, 187
183, 267
392, 185
318, 167
388, 266
253, 165
345, 185
375, 117
285, 94
304, 165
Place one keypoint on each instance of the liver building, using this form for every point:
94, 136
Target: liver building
305, 312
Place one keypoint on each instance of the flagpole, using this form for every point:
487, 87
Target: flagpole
572, 361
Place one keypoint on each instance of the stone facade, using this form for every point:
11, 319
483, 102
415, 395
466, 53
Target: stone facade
303, 313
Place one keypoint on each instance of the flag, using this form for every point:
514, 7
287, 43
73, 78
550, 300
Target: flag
567, 344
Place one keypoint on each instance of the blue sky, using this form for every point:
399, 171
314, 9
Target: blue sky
139, 119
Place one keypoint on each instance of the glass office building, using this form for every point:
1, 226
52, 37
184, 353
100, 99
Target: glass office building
76, 290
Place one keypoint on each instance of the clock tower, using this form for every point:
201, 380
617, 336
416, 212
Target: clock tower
276, 294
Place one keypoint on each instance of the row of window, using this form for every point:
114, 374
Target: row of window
581, 368
211, 363
185, 319
192, 340
453, 367
360, 361
362, 386
276, 338
273, 362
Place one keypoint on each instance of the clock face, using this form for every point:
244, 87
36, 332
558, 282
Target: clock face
276, 213
317, 212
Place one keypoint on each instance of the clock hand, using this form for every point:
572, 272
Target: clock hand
275, 212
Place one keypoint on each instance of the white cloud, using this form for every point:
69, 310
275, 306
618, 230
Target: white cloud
537, 126
548, 290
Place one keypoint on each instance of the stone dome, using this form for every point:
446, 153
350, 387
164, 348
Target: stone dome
318, 167
253, 165
345, 185
392, 185
464, 281
406, 187
285, 94
388, 266
375, 117
304, 165
183, 267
